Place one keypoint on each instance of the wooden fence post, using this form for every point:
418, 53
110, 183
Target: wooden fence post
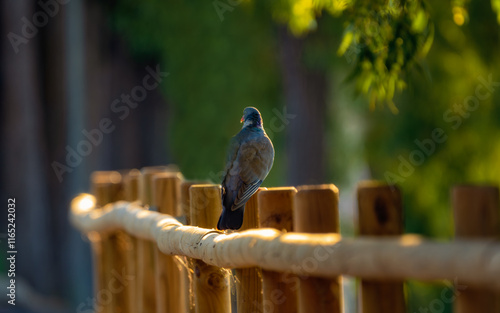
186, 212
316, 211
276, 211
185, 199
476, 214
249, 280
107, 187
169, 274
211, 284
146, 298
131, 187
380, 214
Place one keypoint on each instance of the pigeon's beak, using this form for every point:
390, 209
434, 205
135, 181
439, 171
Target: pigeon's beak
242, 119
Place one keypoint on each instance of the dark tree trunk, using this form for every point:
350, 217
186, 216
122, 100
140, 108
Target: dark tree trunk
305, 95
24, 151
62, 81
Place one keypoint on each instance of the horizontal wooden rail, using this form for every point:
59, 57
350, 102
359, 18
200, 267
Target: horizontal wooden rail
473, 262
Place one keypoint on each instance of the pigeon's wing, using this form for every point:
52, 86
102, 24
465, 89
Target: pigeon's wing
245, 192
267, 154
255, 158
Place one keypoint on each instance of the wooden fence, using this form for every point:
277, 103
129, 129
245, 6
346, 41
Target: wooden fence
288, 256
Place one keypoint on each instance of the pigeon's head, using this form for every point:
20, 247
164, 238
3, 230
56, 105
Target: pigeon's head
251, 117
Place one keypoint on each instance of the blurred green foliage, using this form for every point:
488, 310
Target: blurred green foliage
388, 38
216, 69
444, 96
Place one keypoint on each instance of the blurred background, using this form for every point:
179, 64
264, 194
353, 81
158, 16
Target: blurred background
401, 91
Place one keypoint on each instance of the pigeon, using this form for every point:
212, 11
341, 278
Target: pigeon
249, 159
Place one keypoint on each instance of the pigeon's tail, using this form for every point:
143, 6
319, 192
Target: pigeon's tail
231, 219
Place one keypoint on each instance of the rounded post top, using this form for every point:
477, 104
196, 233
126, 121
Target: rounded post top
105, 177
